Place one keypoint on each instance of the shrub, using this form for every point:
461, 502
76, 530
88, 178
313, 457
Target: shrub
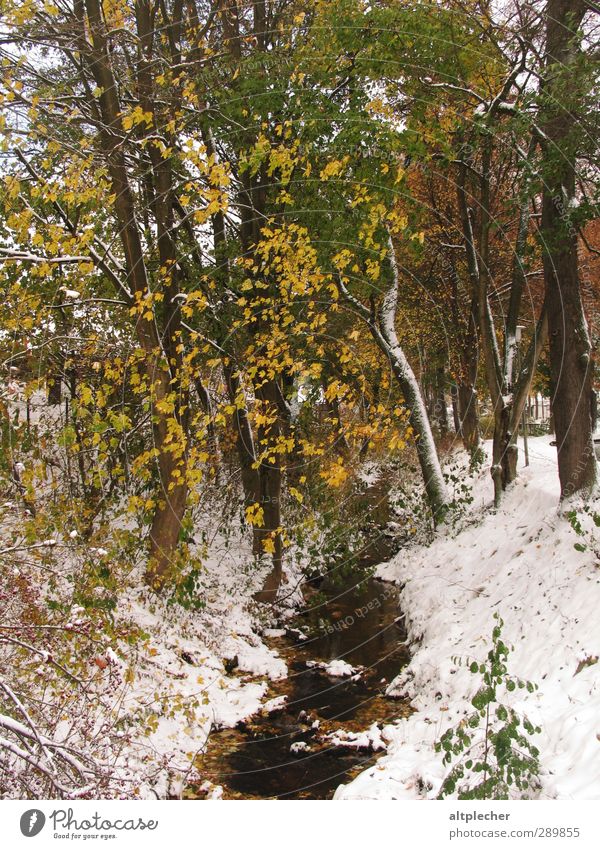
491, 747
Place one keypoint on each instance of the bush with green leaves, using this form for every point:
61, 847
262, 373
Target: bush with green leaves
585, 524
491, 748
460, 488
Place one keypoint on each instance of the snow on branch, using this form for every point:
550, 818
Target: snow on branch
10, 254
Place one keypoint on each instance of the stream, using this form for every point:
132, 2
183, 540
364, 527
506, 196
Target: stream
289, 753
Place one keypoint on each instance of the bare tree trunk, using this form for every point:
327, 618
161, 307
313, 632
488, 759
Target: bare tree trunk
468, 417
54, 383
270, 471
244, 438
172, 495
435, 486
508, 384
455, 413
570, 348
440, 403
426, 451
340, 443
207, 405
384, 334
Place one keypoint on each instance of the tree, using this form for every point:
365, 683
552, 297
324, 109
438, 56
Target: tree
566, 85
486, 180
450, 328
382, 324
111, 111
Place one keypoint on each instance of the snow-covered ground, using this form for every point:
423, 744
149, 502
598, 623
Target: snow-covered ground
159, 697
519, 562
180, 689
155, 698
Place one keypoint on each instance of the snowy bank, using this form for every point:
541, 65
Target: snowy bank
148, 680
180, 685
519, 561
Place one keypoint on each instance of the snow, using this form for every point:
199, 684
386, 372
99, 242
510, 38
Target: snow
211, 791
300, 746
157, 697
162, 695
274, 704
274, 632
370, 739
71, 294
370, 473
335, 668
256, 658
521, 562
180, 690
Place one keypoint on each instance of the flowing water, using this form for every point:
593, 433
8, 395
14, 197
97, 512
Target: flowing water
356, 621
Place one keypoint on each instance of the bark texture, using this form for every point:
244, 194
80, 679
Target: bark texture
383, 330
570, 348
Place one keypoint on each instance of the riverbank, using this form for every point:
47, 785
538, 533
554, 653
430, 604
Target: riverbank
321, 724
521, 562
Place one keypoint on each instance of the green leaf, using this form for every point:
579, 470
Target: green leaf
501, 713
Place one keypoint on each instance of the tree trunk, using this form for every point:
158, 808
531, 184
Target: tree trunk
340, 443
244, 437
207, 405
431, 471
54, 386
384, 333
508, 382
170, 510
172, 495
270, 471
505, 452
441, 410
570, 348
468, 417
455, 413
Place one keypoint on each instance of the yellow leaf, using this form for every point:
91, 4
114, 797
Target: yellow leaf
268, 545
332, 169
255, 515
335, 475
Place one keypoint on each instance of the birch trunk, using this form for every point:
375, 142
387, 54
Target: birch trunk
431, 471
383, 330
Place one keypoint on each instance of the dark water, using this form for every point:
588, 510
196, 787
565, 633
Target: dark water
359, 623
356, 623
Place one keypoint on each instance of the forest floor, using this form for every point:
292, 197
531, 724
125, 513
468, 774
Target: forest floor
161, 678
521, 562
197, 671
